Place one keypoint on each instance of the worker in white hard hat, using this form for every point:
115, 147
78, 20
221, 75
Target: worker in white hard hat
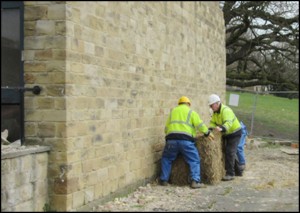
181, 127
224, 120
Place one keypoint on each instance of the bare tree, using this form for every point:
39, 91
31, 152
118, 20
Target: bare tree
262, 43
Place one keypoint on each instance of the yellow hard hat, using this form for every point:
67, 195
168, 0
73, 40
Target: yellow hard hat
184, 99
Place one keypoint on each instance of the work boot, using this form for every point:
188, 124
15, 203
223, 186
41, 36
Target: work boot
239, 173
196, 185
163, 182
227, 178
240, 170
242, 167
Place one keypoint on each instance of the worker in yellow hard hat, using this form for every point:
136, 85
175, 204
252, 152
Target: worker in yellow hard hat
181, 127
225, 121
184, 99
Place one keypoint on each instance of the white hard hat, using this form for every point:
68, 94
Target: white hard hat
213, 98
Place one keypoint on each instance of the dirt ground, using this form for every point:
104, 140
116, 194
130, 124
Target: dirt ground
270, 183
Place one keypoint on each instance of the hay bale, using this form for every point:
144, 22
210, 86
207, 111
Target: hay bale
212, 158
180, 172
212, 162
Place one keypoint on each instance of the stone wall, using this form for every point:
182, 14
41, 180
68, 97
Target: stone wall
110, 72
24, 183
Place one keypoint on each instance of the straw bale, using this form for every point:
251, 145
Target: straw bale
212, 162
180, 171
212, 158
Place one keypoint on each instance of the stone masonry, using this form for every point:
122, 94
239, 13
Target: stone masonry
24, 179
110, 72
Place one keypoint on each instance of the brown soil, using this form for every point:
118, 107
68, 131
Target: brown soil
270, 183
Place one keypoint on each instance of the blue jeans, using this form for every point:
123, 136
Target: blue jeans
190, 154
240, 150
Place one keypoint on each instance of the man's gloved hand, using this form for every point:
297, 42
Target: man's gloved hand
211, 136
220, 128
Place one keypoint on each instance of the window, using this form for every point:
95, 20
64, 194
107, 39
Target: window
12, 100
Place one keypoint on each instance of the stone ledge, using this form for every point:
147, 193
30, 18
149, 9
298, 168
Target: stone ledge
22, 150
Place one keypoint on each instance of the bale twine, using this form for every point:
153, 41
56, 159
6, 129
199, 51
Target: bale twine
212, 162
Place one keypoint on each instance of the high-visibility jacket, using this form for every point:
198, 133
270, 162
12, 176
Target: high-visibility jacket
183, 123
226, 118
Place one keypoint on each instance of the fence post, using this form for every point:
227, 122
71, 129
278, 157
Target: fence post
253, 112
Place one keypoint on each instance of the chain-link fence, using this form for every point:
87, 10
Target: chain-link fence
267, 114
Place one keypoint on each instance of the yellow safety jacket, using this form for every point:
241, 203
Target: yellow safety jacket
183, 123
225, 117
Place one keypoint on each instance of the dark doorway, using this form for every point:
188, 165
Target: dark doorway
12, 98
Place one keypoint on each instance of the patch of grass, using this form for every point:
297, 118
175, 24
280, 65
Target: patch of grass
211, 204
271, 145
273, 116
267, 185
227, 190
137, 206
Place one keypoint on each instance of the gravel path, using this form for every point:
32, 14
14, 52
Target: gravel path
270, 183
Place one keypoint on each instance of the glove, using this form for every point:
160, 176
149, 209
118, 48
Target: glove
211, 136
220, 128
